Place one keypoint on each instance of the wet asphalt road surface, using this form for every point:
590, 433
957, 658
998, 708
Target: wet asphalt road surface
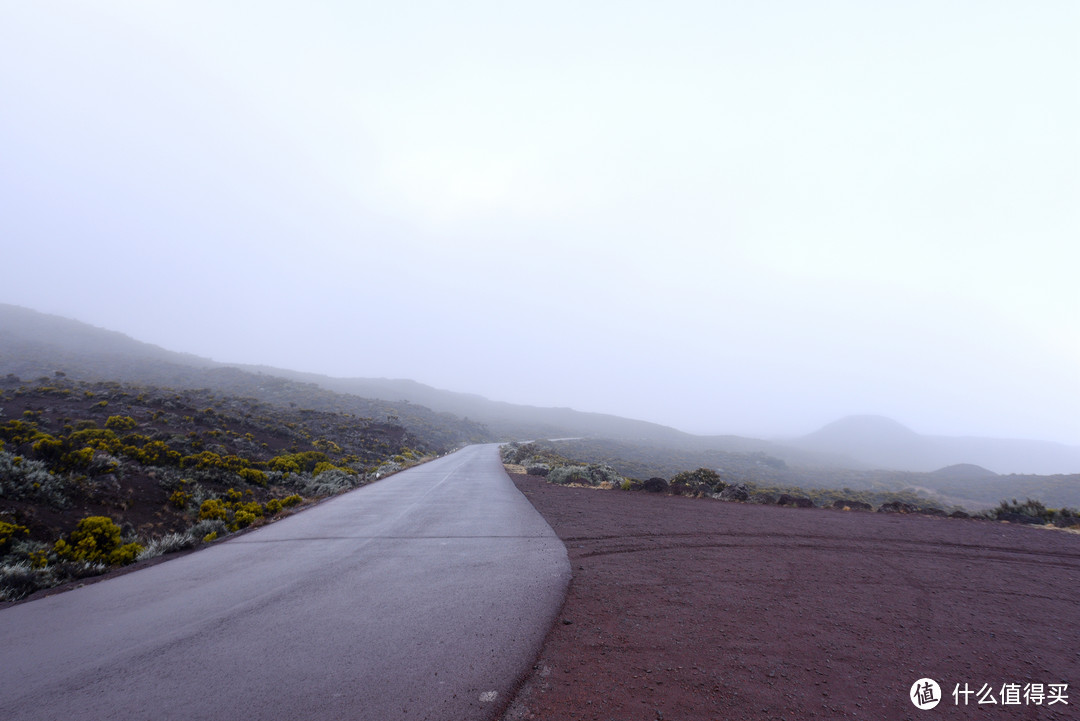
426, 595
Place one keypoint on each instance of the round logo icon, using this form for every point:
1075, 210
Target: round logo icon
925, 693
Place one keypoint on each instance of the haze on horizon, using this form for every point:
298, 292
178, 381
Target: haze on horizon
747, 218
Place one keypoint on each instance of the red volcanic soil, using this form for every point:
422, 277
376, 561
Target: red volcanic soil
685, 608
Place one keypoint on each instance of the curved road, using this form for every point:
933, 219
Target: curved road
426, 595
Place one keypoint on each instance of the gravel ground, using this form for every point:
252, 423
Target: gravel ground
685, 608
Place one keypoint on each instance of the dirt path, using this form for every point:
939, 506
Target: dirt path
694, 609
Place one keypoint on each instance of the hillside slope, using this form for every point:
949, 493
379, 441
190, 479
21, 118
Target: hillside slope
36, 345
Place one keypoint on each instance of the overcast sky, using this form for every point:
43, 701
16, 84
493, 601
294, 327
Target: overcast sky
729, 217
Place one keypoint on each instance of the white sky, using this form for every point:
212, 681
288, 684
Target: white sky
744, 217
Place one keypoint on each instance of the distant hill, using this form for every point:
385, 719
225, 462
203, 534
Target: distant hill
963, 472
521, 422
34, 344
883, 443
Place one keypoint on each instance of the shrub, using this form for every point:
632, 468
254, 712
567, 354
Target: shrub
157, 453
254, 508
213, 509
593, 474
97, 540
568, 474
120, 423
273, 506
329, 483
8, 532
18, 580
102, 463
179, 499
702, 480
1030, 508
253, 476
1066, 518
243, 519
29, 480
126, 554
49, 448
304, 462
290, 501
78, 460
101, 439
169, 543
208, 527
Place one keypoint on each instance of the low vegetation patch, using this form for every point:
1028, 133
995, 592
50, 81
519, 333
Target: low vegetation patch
99, 475
541, 459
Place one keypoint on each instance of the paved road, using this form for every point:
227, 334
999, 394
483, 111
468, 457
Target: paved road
423, 596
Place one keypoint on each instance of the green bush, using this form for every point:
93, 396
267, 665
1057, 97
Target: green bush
213, 508
121, 423
49, 448
304, 462
128, 553
97, 540
8, 532
242, 519
253, 476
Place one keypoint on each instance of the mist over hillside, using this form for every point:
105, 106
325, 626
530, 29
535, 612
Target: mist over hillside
34, 344
886, 444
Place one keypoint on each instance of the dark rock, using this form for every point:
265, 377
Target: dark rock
843, 504
787, 499
765, 499
959, 514
1020, 518
930, 511
655, 485
898, 507
738, 492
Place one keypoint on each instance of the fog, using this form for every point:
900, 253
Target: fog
727, 217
